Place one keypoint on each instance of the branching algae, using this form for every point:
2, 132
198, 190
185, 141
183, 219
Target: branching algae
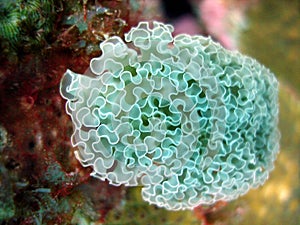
188, 120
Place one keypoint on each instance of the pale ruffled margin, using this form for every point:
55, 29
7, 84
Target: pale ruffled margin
188, 120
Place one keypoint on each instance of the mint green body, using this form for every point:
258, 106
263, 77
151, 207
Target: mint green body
190, 121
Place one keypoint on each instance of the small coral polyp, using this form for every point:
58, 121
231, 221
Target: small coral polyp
189, 121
